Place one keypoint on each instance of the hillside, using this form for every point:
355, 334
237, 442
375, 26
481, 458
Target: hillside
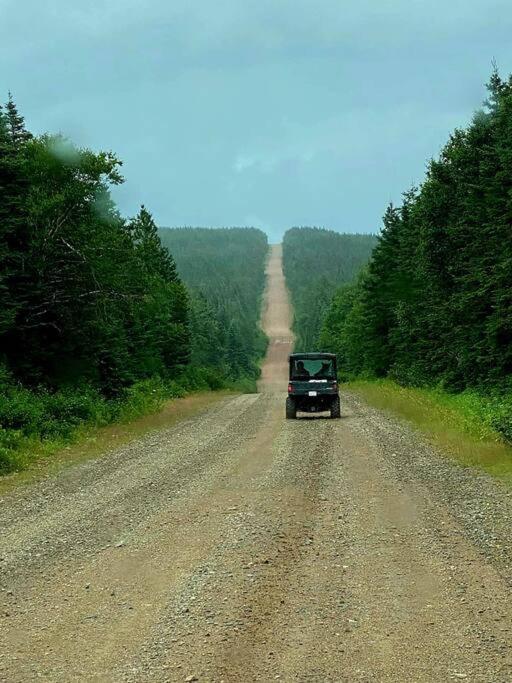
316, 262
224, 270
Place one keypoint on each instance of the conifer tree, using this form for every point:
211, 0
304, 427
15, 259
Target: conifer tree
149, 247
16, 123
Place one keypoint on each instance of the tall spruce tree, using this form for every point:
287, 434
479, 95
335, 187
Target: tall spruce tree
18, 133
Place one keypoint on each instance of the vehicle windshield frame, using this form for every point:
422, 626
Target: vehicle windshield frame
317, 367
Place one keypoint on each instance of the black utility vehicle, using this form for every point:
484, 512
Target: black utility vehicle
313, 385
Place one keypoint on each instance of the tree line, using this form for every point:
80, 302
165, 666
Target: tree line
315, 263
93, 312
434, 305
85, 294
224, 270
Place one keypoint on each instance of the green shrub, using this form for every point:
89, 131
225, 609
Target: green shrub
143, 397
496, 411
214, 380
29, 418
10, 441
50, 414
21, 409
197, 379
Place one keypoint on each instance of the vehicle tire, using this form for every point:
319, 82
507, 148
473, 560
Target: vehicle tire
336, 408
291, 409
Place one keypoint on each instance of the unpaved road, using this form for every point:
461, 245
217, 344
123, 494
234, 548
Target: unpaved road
237, 546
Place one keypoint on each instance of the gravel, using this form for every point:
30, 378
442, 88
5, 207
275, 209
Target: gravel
240, 546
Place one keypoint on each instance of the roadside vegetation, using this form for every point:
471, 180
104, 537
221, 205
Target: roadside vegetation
464, 424
96, 324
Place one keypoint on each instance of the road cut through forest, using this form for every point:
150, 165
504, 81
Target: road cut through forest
239, 546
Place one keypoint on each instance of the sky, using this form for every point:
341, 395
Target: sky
265, 113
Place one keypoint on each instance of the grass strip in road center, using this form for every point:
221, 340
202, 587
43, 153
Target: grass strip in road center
459, 424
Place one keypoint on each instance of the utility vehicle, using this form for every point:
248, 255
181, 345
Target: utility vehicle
313, 384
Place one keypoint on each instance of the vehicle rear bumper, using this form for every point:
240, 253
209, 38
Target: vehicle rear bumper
312, 404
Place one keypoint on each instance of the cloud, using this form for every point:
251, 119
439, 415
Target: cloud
198, 30
285, 111
244, 162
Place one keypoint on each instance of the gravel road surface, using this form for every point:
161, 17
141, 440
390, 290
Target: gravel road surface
237, 546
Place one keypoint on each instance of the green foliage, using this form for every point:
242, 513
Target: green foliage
435, 304
225, 272
95, 322
142, 397
35, 421
85, 295
28, 418
316, 262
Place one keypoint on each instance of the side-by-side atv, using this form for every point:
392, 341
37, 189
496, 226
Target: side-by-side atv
313, 384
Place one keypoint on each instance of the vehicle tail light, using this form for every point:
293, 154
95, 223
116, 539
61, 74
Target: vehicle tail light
335, 385
290, 388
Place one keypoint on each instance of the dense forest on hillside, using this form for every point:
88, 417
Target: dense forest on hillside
434, 306
224, 270
95, 322
316, 262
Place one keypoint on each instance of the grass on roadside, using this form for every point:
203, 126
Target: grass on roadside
468, 426
34, 425
90, 442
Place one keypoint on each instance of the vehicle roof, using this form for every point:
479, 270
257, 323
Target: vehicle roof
312, 356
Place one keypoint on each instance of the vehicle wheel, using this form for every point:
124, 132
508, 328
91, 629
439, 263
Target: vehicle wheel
336, 408
291, 409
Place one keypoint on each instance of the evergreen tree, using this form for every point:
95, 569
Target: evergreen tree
153, 256
225, 271
13, 221
17, 131
86, 296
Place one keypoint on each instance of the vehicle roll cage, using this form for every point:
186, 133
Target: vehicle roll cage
313, 356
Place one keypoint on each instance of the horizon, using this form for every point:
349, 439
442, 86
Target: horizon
271, 242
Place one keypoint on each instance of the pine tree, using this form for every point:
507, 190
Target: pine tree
15, 123
13, 193
149, 248
224, 269
6, 315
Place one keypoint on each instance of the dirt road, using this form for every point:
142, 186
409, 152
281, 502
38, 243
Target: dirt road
237, 546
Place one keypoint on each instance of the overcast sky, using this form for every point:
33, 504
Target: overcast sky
270, 113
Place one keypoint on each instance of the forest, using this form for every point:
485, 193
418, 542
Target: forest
224, 271
96, 323
434, 305
316, 262
103, 317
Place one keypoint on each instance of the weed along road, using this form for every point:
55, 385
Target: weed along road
239, 546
